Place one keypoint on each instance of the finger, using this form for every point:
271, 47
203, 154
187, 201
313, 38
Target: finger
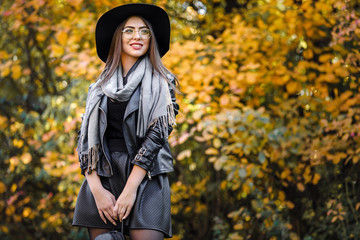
116, 208
110, 211
121, 214
108, 216
102, 216
114, 212
128, 210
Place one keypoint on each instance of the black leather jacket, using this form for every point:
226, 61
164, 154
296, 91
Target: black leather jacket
151, 153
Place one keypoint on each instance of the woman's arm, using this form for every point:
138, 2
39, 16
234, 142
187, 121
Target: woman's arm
127, 198
105, 200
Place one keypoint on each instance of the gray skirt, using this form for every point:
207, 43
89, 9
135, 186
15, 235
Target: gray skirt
151, 209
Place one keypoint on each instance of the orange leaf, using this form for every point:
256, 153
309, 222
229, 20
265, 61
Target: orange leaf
300, 186
2, 187
293, 87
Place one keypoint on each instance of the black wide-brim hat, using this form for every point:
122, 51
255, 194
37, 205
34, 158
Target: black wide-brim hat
110, 20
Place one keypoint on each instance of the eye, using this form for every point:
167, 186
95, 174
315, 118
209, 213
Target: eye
128, 31
145, 31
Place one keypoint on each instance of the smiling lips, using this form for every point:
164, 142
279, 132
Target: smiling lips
136, 46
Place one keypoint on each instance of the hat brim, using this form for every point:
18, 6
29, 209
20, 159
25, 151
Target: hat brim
110, 20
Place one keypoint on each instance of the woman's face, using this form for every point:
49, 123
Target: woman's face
136, 46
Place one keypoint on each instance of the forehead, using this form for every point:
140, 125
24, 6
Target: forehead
135, 22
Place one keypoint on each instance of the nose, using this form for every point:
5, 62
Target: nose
136, 35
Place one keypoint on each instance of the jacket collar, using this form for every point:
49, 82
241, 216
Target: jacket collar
133, 104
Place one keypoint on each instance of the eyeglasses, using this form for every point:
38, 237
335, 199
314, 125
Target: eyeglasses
129, 33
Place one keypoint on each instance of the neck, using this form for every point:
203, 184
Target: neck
127, 62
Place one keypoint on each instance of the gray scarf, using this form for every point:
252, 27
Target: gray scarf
155, 107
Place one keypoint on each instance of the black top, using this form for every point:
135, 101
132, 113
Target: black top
115, 117
114, 132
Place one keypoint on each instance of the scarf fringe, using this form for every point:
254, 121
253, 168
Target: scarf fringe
163, 122
93, 158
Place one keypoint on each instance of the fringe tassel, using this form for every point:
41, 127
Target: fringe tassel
163, 122
83, 160
93, 158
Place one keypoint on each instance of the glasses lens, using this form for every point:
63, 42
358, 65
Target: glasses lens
145, 33
129, 33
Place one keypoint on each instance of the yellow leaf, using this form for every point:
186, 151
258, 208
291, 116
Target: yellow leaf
26, 212
316, 178
3, 121
10, 210
4, 229
325, 57
224, 100
250, 77
16, 71
285, 173
14, 161
57, 50
5, 72
246, 189
217, 143
293, 87
238, 226
13, 187
40, 37
308, 54
26, 158
184, 154
2, 187
197, 115
281, 195
294, 236
290, 205
18, 143
211, 151
61, 37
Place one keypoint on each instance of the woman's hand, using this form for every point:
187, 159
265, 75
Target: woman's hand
105, 202
124, 203
127, 198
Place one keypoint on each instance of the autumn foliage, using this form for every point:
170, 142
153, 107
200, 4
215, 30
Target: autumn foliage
267, 143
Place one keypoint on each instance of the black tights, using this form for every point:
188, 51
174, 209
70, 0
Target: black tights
135, 234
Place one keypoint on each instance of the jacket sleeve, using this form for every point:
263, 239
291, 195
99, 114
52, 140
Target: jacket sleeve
149, 149
153, 140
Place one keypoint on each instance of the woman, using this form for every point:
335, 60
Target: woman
130, 110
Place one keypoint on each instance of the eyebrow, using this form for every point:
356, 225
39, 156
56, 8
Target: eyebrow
134, 27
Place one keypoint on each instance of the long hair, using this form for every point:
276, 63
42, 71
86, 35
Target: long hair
113, 60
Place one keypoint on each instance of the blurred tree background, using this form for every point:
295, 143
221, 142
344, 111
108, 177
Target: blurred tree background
267, 144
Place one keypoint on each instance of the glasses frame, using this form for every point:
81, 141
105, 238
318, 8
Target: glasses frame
136, 30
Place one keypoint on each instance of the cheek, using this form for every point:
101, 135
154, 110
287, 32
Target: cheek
147, 46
